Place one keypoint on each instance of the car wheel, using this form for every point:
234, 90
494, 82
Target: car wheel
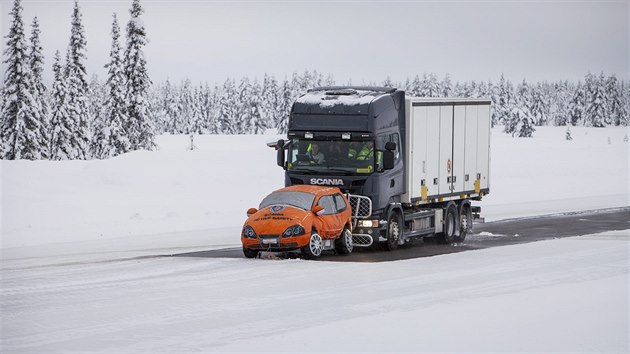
250, 253
314, 247
465, 224
394, 232
450, 224
344, 244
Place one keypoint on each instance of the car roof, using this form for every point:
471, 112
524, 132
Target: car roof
317, 190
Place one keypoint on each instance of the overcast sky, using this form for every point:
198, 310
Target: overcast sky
362, 40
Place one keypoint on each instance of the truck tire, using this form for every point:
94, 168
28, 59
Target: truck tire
393, 232
465, 223
250, 253
450, 225
314, 247
344, 244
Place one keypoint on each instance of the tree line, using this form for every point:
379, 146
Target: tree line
77, 119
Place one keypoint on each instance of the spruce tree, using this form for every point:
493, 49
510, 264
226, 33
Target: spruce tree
595, 101
139, 127
577, 105
20, 120
227, 115
61, 125
111, 137
38, 89
446, 87
614, 102
77, 89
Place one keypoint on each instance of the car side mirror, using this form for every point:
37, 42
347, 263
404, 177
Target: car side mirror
318, 209
251, 211
280, 157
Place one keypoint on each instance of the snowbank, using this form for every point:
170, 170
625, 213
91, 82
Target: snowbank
175, 197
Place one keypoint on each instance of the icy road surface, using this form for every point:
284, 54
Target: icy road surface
567, 295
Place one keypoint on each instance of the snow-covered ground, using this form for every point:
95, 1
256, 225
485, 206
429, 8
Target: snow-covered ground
565, 295
71, 279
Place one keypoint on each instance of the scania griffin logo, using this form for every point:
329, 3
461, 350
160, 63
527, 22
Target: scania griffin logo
327, 181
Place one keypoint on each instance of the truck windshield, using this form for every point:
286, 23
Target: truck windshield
338, 156
300, 200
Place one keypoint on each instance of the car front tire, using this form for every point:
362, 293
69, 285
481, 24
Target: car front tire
314, 247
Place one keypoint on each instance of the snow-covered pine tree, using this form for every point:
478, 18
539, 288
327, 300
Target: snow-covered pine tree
38, 89
567, 134
20, 129
196, 115
446, 86
77, 88
171, 108
139, 126
521, 123
560, 103
111, 137
96, 102
614, 104
213, 109
577, 106
595, 110
504, 102
257, 124
61, 125
538, 104
243, 112
286, 100
184, 123
227, 117
270, 101
388, 82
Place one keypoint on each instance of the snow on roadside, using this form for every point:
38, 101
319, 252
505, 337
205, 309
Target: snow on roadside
175, 197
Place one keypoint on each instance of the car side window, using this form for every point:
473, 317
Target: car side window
328, 203
341, 204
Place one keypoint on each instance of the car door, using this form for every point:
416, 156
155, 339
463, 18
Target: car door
328, 217
341, 207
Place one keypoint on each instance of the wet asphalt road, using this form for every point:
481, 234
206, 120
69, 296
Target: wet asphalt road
486, 235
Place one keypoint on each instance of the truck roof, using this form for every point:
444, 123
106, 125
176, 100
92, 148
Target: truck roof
340, 99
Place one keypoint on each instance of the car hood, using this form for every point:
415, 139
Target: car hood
276, 218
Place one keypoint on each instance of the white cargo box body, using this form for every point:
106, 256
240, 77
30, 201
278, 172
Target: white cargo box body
447, 149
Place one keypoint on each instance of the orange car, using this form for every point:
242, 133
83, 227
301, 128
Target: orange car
309, 218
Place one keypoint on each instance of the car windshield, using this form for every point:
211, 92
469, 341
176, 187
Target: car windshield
334, 157
300, 200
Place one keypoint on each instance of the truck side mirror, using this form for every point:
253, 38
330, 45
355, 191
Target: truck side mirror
390, 145
280, 152
388, 159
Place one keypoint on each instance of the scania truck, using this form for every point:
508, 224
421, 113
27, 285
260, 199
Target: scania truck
411, 166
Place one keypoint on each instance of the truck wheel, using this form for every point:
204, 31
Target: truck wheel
344, 244
394, 231
465, 223
314, 247
450, 224
250, 253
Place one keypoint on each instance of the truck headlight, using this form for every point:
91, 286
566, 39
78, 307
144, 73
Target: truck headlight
248, 232
368, 223
295, 230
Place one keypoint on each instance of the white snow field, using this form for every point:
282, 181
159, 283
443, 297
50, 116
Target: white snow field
72, 232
